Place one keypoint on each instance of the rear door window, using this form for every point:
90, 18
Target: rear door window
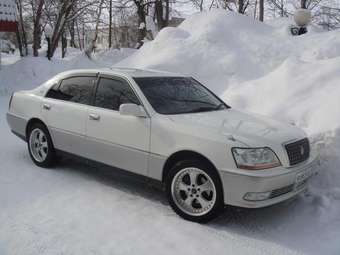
75, 89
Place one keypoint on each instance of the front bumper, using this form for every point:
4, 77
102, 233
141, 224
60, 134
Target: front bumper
279, 183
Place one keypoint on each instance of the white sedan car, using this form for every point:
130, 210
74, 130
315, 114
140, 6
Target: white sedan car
167, 127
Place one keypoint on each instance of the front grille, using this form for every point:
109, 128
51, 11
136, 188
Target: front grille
298, 151
281, 191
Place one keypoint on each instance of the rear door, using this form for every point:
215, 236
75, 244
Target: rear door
65, 110
114, 139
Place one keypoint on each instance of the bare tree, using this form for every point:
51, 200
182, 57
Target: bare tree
261, 10
21, 33
242, 6
327, 17
141, 12
37, 26
280, 6
239, 6
110, 24
199, 4
161, 17
92, 46
65, 7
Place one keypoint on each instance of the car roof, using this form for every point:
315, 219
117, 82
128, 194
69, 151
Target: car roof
123, 71
135, 72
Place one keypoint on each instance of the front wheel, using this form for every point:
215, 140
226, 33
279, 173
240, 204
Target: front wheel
195, 191
40, 146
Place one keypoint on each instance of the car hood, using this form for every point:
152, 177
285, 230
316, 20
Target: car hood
249, 129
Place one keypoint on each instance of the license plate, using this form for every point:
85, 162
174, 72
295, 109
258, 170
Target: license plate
302, 177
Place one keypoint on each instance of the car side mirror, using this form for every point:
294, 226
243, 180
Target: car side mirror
132, 110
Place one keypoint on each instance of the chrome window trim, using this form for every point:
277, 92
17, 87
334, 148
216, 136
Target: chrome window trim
119, 78
74, 75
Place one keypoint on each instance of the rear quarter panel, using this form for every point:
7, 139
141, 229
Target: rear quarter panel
24, 106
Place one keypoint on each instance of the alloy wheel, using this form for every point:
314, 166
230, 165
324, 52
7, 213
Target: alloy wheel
38, 145
193, 191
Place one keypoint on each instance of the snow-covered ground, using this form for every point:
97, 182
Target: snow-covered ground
9, 59
80, 209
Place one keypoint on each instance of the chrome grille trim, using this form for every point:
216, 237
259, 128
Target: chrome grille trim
298, 151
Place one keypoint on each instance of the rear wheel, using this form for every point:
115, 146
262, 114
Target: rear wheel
40, 145
195, 191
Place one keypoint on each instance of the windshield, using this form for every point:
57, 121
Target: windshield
176, 95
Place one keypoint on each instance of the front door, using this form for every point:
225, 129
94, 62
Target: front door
114, 139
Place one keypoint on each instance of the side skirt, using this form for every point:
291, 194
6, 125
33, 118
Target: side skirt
117, 171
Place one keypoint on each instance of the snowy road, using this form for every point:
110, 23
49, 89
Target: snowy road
80, 209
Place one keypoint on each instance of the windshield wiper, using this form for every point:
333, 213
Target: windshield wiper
203, 109
207, 109
219, 106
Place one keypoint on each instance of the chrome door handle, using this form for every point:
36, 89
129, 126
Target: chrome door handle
46, 107
94, 116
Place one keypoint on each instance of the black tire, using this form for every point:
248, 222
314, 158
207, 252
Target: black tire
207, 168
50, 158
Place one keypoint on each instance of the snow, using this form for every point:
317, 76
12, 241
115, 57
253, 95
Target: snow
9, 59
311, 100
223, 49
76, 208
142, 25
31, 71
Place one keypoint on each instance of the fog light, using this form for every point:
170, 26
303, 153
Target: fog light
256, 196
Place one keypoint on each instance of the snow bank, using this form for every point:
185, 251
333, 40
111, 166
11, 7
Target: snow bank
204, 45
222, 48
111, 56
306, 93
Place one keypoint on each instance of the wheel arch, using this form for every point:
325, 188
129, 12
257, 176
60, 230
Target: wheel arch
182, 155
31, 122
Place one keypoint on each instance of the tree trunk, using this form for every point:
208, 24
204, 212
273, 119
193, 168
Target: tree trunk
167, 12
60, 24
261, 10
142, 24
201, 6
281, 8
78, 34
240, 6
37, 28
304, 4
63, 45
48, 53
83, 32
72, 33
21, 26
162, 20
94, 39
159, 14
115, 31
17, 33
110, 24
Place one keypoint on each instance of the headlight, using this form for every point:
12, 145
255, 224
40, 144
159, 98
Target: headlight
255, 158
